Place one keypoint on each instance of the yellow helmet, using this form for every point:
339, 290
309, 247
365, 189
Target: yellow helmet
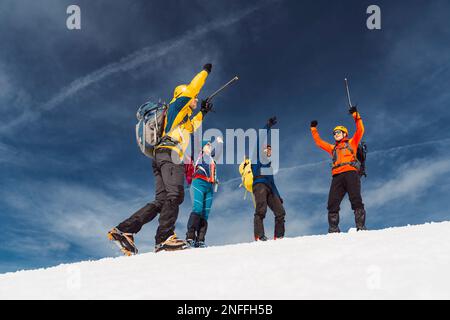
179, 90
341, 128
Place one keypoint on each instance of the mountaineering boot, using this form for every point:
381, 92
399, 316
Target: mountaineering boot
125, 241
263, 238
333, 221
360, 219
193, 227
191, 243
200, 244
201, 235
158, 248
172, 244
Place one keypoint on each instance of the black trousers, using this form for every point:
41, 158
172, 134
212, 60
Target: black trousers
347, 182
264, 197
169, 194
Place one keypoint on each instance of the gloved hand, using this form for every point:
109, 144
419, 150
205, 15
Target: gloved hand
207, 67
271, 122
352, 110
314, 123
282, 201
206, 107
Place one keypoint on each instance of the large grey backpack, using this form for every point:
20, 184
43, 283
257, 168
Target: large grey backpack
150, 126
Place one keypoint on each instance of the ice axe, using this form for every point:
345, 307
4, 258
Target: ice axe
209, 99
347, 88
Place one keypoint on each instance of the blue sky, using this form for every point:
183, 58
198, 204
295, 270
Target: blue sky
69, 165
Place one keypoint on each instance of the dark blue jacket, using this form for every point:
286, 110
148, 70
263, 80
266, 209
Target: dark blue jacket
256, 168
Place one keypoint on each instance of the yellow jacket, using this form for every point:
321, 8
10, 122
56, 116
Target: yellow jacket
179, 123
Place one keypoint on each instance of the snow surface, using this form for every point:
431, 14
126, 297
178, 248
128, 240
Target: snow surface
410, 263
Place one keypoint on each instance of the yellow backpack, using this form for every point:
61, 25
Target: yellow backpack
245, 169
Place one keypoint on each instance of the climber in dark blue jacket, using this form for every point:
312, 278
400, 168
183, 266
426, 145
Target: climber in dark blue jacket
265, 192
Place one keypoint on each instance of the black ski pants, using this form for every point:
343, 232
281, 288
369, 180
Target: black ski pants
264, 197
169, 194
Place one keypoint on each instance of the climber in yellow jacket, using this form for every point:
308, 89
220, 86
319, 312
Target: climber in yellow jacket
345, 171
168, 169
179, 123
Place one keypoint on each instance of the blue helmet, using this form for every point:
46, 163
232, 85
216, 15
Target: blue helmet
205, 142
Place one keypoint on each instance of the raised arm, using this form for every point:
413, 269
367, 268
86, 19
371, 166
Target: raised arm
193, 89
217, 148
359, 133
269, 124
319, 142
181, 101
254, 155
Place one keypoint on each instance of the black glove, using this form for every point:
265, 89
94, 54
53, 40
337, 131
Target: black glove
271, 122
314, 123
206, 107
281, 199
207, 67
352, 110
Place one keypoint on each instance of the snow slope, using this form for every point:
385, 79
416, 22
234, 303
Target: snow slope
408, 262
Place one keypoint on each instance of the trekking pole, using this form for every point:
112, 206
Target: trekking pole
348, 93
222, 88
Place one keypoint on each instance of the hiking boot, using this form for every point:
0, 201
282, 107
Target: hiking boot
125, 241
158, 248
334, 230
173, 243
191, 243
202, 230
360, 219
333, 222
193, 226
263, 238
200, 244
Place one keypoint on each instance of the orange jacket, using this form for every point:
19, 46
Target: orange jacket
343, 155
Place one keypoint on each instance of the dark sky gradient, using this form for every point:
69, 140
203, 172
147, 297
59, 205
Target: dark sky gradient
70, 168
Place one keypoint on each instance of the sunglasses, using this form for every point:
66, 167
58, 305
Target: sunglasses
337, 132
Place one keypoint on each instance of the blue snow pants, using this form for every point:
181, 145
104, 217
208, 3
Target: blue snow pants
202, 194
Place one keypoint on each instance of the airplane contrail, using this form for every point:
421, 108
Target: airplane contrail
408, 146
133, 61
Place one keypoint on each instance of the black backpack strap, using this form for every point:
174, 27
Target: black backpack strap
354, 164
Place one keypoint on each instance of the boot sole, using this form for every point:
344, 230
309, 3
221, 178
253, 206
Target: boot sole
169, 249
121, 247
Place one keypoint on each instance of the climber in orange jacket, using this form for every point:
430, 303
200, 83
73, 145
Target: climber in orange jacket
345, 171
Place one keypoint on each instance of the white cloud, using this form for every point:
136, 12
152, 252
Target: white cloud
409, 182
135, 60
71, 212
